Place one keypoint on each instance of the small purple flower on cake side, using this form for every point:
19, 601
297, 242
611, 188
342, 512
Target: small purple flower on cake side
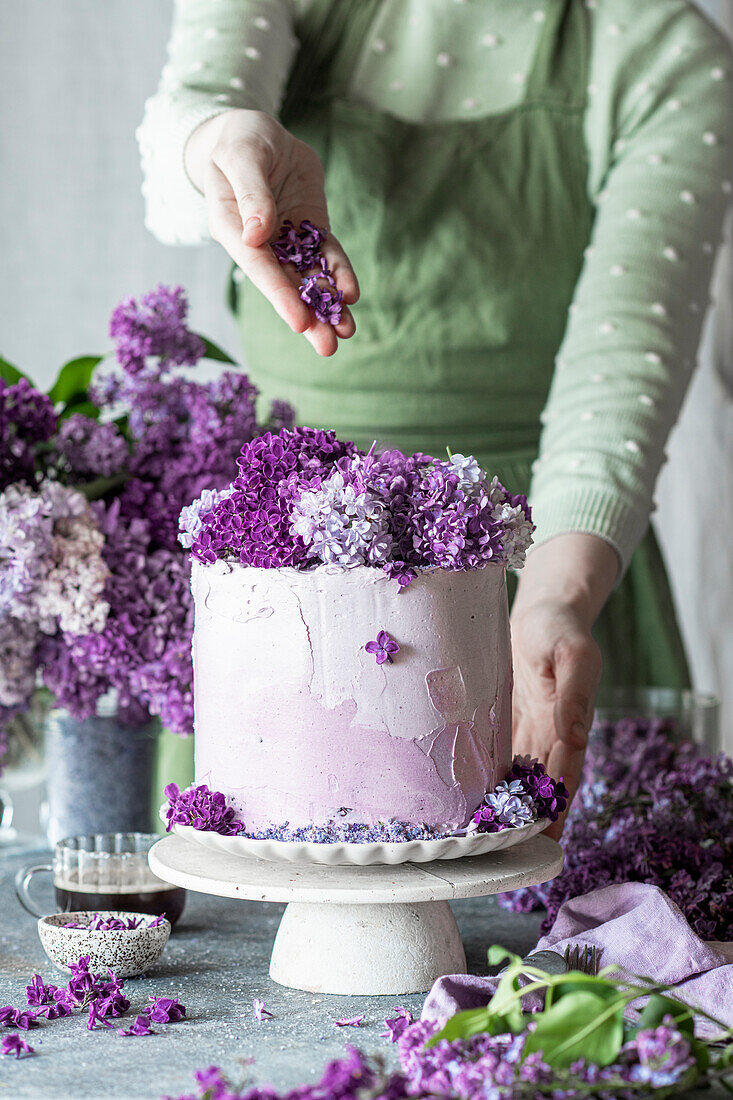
527, 794
383, 647
202, 809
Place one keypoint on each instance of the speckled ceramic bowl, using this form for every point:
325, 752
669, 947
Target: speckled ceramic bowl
126, 953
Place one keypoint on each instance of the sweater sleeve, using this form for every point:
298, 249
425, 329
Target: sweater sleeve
660, 130
222, 54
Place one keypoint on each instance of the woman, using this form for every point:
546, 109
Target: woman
531, 193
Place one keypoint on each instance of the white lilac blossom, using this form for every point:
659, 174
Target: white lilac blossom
467, 470
52, 573
511, 804
342, 523
190, 522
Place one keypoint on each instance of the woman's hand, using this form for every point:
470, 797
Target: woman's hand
254, 175
557, 664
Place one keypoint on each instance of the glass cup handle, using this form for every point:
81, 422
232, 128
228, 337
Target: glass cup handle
22, 882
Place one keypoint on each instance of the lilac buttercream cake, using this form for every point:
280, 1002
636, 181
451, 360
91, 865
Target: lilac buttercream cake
352, 657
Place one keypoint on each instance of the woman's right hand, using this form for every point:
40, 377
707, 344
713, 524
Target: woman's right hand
253, 175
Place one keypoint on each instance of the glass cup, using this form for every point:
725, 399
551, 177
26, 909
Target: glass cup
695, 715
104, 871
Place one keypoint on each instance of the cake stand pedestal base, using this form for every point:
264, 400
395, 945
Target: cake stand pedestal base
360, 930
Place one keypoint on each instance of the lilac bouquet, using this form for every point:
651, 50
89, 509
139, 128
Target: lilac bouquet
648, 810
94, 587
304, 498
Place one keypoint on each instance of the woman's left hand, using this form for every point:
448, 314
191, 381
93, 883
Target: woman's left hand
557, 663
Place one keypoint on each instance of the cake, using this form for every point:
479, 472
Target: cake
295, 721
352, 657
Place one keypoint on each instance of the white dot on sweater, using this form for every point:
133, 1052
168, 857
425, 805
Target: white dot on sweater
519, 78
709, 138
671, 254
574, 463
379, 45
618, 269
587, 415
444, 60
606, 328
655, 159
633, 446
238, 275
591, 4
674, 104
717, 73
252, 52
634, 214
223, 98
196, 66
470, 104
211, 32
644, 86
539, 16
653, 357
536, 465
688, 197
491, 41
592, 89
708, 247
236, 82
598, 378
677, 51
620, 145
727, 187
615, 29
262, 23
645, 399
694, 307
396, 85
659, 309
589, 251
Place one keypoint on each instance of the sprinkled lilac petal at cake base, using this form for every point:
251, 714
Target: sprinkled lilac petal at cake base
352, 657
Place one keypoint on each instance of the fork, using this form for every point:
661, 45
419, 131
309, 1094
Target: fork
583, 958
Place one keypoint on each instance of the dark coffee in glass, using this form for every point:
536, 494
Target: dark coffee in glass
105, 871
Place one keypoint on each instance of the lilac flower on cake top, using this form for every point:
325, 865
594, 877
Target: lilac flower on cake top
383, 647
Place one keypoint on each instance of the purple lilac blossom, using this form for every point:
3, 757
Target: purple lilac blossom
527, 794
90, 449
165, 1010
397, 1024
200, 808
401, 512
350, 1021
154, 328
14, 1045
383, 647
26, 420
675, 800
259, 1011
139, 1026
326, 303
300, 247
16, 1017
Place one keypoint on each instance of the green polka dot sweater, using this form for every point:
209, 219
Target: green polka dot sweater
659, 137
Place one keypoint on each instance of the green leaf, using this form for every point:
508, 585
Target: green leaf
78, 405
73, 379
581, 1025
658, 1007
498, 955
9, 373
213, 351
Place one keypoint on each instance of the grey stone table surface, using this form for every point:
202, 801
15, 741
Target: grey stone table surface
216, 962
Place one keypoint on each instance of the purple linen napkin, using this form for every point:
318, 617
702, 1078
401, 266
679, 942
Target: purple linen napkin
635, 926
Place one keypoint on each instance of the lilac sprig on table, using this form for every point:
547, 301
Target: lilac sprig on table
304, 498
302, 248
648, 810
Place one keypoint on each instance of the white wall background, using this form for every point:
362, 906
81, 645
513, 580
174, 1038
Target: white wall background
72, 242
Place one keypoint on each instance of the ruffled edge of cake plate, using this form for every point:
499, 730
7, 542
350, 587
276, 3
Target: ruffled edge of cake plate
360, 855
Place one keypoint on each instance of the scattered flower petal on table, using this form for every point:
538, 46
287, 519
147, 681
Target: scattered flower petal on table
259, 1011
14, 1045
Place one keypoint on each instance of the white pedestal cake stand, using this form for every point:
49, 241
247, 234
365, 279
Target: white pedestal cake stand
360, 930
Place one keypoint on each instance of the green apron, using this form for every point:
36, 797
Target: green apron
467, 239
